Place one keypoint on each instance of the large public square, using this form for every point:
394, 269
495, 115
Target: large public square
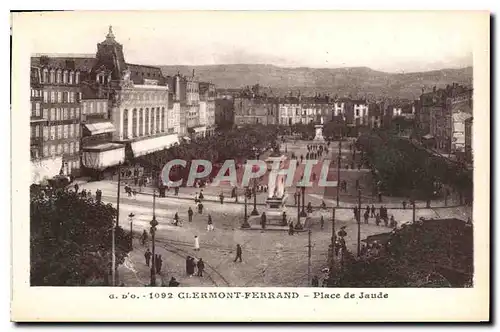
271, 257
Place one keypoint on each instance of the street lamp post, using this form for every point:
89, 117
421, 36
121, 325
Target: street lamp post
255, 212
298, 207
245, 220
131, 219
153, 224
303, 212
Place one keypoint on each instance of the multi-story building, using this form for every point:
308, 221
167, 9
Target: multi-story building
315, 108
207, 106
137, 108
436, 114
290, 111
360, 112
255, 111
56, 97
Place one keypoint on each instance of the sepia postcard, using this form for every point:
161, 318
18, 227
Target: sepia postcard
250, 166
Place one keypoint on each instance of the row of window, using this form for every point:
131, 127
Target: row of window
61, 96
61, 113
94, 107
60, 132
70, 148
148, 96
36, 93
35, 109
59, 76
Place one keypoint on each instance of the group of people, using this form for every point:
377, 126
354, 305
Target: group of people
156, 261
191, 264
84, 193
371, 212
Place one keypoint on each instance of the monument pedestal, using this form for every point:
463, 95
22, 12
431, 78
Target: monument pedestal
275, 206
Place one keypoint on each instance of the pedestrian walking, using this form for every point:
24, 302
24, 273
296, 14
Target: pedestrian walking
377, 219
158, 263
295, 198
200, 208
322, 222
393, 222
200, 197
263, 220
144, 237
355, 211
191, 266
176, 219
196, 243
373, 211
290, 228
367, 214
190, 214
221, 198
315, 281
404, 205
147, 256
201, 266
238, 253
76, 187
210, 225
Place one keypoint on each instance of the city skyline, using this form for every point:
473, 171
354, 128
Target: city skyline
207, 41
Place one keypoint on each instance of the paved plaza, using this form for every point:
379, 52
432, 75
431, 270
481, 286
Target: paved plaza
270, 257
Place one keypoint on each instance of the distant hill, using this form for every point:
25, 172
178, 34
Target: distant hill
356, 81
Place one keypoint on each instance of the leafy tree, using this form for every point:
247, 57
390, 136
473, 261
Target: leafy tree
71, 239
431, 253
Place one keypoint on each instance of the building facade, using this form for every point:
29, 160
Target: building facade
137, 109
255, 111
207, 102
56, 85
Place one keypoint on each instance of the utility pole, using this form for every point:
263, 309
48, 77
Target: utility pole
338, 171
153, 224
333, 228
113, 257
118, 195
309, 258
359, 221
113, 245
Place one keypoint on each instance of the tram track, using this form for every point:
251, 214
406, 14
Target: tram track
212, 273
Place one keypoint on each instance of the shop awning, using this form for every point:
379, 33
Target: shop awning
100, 128
150, 145
103, 155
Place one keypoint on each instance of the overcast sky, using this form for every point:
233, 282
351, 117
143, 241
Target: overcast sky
393, 42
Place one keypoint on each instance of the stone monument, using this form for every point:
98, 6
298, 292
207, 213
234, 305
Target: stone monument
319, 132
277, 195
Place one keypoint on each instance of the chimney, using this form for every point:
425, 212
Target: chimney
193, 73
